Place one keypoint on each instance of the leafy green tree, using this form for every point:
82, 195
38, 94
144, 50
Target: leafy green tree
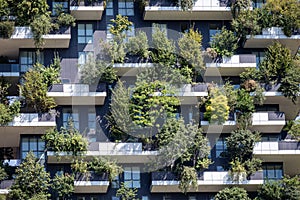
39, 197
27, 10
233, 193
4, 8
217, 109
270, 191
31, 179
119, 119
65, 140
186, 5
190, 51
238, 6
240, 145
138, 45
152, 103
295, 130
35, 89
7, 111
94, 71
3, 174
188, 179
103, 165
224, 43
163, 48
126, 193
63, 185
41, 25
119, 26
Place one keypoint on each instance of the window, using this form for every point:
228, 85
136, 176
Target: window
94, 198
32, 143
145, 198
92, 127
162, 27
272, 171
260, 56
270, 137
220, 146
192, 198
109, 8
71, 116
85, 33
126, 7
220, 168
132, 177
29, 58
84, 56
80, 198
59, 4
115, 183
213, 30
129, 33
258, 3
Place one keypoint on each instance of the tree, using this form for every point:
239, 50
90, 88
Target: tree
63, 185
190, 51
295, 130
217, 109
31, 179
119, 119
152, 102
233, 193
7, 110
163, 48
65, 140
35, 87
102, 165
224, 43
27, 10
41, 25
126, 193
188, 179
94, 71
138, 45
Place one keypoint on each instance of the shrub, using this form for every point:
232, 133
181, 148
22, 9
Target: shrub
6, 29
233, 193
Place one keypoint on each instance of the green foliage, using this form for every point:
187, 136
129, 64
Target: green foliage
39, 196
51, 73
3, 174
295, 130
31, 179
119, 26
188, 179
35, 87
237, 171
190, 50
119, 118
138, 45
224, 43
232, 193
164, 49
6, 29
186, 5
94, 71
65, 140
4, 8
41, 25
152, 102
80, 167
238, 6
102, 165
65, 20
27, 10
7, 111
126, 193
284, 13
113, 51
217, 109
240, 144
63, 185
245, 102
279, 67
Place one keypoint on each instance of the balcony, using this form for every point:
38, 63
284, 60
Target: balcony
5, 185
270, 122
78, 94
208, 181
125, 153
130, 69
86, 11
190, 94
232, 66
23, 38
93, 184
287, 152
269, 36
202, 10
25, 123
226, 127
